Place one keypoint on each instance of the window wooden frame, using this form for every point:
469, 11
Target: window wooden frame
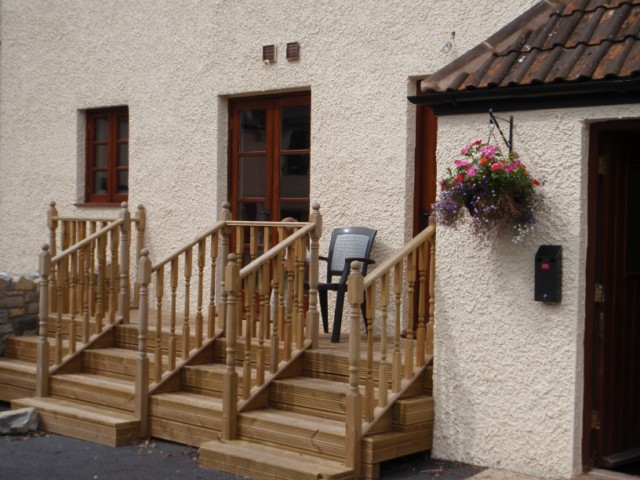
273, 150
109, 194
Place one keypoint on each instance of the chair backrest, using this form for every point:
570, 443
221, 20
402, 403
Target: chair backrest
349, 242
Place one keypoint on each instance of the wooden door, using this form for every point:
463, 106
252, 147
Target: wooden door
269, 155
425, 167
613, 297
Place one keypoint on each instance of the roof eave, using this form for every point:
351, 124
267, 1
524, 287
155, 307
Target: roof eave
532, 97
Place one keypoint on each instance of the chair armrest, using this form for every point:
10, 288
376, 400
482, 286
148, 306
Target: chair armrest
347, 266
320, 257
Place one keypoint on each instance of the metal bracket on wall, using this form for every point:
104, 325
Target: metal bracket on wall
494, 120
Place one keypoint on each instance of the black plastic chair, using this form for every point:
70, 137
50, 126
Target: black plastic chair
347, 245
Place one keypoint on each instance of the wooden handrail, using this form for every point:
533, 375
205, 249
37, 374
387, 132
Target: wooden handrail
87, 241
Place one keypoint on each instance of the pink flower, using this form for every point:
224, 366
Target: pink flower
461, 163
489, 151
495, 166
471, 171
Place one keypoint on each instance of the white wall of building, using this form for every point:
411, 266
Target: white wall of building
176, 63
509, 371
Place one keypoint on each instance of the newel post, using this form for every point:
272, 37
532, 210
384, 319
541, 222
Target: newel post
52, 224
313, 316
432, 289
42, 369
124, 299
141, 219
225, 216
355, 295
142, 361
230, 377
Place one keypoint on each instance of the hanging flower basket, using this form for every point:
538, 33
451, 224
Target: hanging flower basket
496, 191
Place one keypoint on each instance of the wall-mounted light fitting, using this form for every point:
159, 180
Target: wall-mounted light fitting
269, 53
293, 51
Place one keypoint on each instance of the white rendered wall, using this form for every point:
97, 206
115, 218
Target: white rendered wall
509, 372
175, 64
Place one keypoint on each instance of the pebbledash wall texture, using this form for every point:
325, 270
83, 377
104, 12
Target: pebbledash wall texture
508, 371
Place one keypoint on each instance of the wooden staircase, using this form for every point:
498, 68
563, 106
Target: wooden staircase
261, 394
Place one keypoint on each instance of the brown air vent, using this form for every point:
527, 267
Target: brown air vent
293, 51
269, 53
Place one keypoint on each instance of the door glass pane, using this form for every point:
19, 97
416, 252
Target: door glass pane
295, 133
294, 176
100, 156
123, 154
252, 177
123, 128
299, 211
123, 181
102, 130
100, 182
633, 226
253, 130
253, 211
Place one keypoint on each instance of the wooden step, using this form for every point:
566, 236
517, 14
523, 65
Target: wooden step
17, 379
85, 422
94, 389
26, 348
314, 396
409, 412
207, 378
183, 417
268, 463
114, 362
298, 432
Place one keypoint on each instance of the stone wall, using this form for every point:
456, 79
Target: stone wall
18, 305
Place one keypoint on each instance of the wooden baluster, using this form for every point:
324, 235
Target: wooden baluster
432, 280
86, 289
186, 327
354, 399
369, 400
71, 233
73, 274
288, 324
253, 254
211, 317
276, 321
383, 381
158, 343
82, 234
422, 278
248, 285
225, 216
112, 276
61, 282
142, 361
263, 279
202, 255
52, 223
396, 371
42, 368
92, 272
141, 220
242, 310
172, 326
100, 300
300, 258
124, 298
64, 305
230, 376
408, 345
313, 316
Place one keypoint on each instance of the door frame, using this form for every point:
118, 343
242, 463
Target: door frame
589, 441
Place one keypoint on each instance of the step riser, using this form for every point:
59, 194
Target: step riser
112, 365
26, 349
95, 395
300, 399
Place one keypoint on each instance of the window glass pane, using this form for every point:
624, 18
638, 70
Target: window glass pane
253, 211
123, 128
294, 176
123, 154
100, 182
252, 130
252, 177
295, 133
100, 155
123, 181
101, 129
299, 211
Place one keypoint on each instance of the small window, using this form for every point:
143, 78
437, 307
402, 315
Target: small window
107, 156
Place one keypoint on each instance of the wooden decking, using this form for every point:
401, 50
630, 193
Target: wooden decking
298, 431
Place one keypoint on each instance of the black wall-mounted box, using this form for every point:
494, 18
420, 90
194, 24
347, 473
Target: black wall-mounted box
548, 277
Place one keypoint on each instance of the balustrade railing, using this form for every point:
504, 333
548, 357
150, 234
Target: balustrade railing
86, 285
400, 288
192, 299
